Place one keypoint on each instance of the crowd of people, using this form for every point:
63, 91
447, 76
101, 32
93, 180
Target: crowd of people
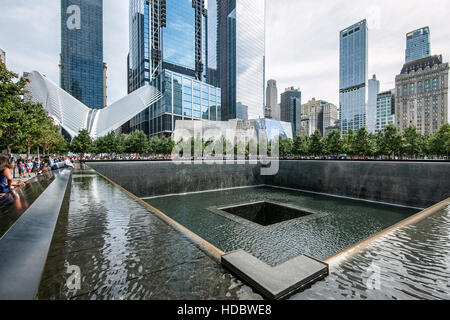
25, 168
38, 166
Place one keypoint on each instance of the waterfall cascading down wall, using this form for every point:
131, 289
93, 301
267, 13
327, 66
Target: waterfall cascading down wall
413, 184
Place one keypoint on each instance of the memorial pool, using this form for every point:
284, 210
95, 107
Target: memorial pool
334, 223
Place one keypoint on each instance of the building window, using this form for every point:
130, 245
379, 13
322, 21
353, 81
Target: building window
411, 88
405, 90
435, 84
427, 85
420, 87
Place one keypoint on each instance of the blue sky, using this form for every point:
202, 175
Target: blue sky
302, 39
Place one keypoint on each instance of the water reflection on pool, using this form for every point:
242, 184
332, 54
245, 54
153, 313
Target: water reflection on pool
339, 223
411, 263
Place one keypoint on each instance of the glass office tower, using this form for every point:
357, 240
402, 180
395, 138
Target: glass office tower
290, 109
353, 76
139, 43
168, 49
81, 65
418, 44
241, 57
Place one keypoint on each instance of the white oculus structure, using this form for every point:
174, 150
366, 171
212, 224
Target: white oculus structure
73, 116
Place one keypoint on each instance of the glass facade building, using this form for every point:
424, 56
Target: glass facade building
290, 109
418, 44
81, 65
385, 110
168, 49
184, 98
139, 44
241, 56
353, 73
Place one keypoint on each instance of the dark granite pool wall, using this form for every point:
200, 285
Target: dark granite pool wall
405, 183
148, 179
416, 184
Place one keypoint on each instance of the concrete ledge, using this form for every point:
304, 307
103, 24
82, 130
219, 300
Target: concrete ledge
277, 282
24, 248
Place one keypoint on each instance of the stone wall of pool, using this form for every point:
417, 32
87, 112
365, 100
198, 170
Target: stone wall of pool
415, 184
149, 179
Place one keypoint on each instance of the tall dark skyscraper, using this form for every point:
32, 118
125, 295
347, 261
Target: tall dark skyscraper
81, 66
241, 57
353, 76
168, 49
290, 109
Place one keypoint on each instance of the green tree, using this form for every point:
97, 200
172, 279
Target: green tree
52, 140
349, 139
391, 142
317, 147
153, 146
34, 123
364, 143
286, 147
301, 145
137, 142
23, 124
111, 143
440, 141
425, 145
11, 113
82, 143
412, 142
161, 146
334, 143
379, 144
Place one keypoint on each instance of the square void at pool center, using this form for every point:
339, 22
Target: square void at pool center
322, 227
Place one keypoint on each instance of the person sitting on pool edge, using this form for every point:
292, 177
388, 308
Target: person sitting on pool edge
6, 180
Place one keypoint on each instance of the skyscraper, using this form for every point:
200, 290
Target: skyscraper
353, 73
418, 44
272, 111
422, 95
374, 89
81, 66
385, 110
320, 115
138, 60
291, 108
241, 56
168, 49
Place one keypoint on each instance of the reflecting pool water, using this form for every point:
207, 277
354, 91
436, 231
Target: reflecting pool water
410, 263
337, 223
123, 251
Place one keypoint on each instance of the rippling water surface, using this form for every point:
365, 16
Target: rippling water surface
125, 252
340, 224
410, 263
